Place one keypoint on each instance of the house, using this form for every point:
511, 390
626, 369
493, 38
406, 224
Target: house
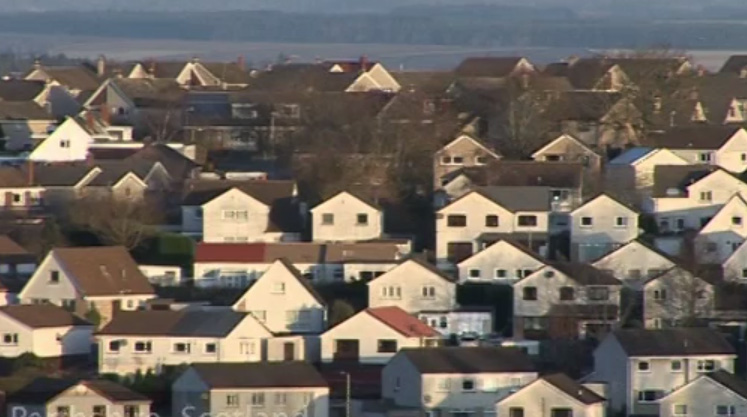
246, 389
21, 191
346, 217
413, 286
15, 260
139, 341
284, 301
641, 366
688, 196
372, 76
46, 331
238, 264
242, 211
488, 215
718, 393
24, 123
503, 262
463, 152
723, 146
47, 397
327, 77
565, 300
735, 266
679, 296
74, 79
454, 379
724, 233
633, 170
465, 322
68, 142
374, 335
494, 67
634, 263
558, 395
105, 279
601, 225
566, 148
590, 74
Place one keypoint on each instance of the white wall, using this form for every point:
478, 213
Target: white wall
701, 398
411, 279
539, 398
345, 209
633, 264
69, 142
498, 256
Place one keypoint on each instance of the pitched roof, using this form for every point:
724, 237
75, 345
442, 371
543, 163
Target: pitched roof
525, 173
75, 77
573, 389
23, 110
176, 164
228, 72
58, 175
585, 73
9, 247
497, 67
306, 283
39, 316
585, 274
259, 375
518, 198
631, 155
113, 171
42, 390
673, 342
298, 252
302, 77
14, 177
734, 64
581, 105
402, 322
20, 90
181, 323
671, 178
468, 360
694, 137
103, 270
730, 381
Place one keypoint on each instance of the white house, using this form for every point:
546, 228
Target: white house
678, 296
447, 379
346, 217
721, 145
600, 226
463, 151
735, 266
374, 335
687, 196
718, 393
634, 263
641, 366
284, 301
503, 262
104, 278
553, 395
46, 331
68, 142
634, 168
150, 339
565, 300
566, 148
489, 214
413, 286
245, 389
724, 233
48, 397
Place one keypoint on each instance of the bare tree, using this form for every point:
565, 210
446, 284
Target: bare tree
522, 125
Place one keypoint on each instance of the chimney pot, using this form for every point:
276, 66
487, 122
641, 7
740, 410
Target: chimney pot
101, 66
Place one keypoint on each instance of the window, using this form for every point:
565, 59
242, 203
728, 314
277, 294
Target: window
456, 220
500, 273
361, 219
429, 292
143, 347
522, 273
54, 277
491, 220
328, 218
516, 412
232, 400
210, 347
744, 273
726, 410
599, 293
527, 220
99, 411
278, 288
10, 339
281, 398
660, 295
131, 411
529, 293
444, 385
621, 222
706, 365
736, 220
114, 346
567, 294
679, 409
63, 411
387, 346
181, 348
258, 399
706, 196
468, 384
446, 160
68, 304
587, 221
705, 157
481, 160
392, 292
443, 323
64, 143
561, 412
475, 273
644, 366
457, 160
648, 396
676, 366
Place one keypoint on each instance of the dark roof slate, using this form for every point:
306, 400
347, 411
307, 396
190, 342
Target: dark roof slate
468, 360
672, 342
259, 375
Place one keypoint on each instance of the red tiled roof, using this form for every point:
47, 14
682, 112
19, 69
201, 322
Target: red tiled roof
230, 252
404, 323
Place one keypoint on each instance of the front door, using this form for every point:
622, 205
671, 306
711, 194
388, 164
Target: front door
346, 350
289, 351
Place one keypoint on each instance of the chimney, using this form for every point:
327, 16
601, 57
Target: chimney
152, 69
37, 63
30, 172
195, 59
241, 62
117, 73
101, 66
364, 63
105, 114
702, 71
90, 121
743, 73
